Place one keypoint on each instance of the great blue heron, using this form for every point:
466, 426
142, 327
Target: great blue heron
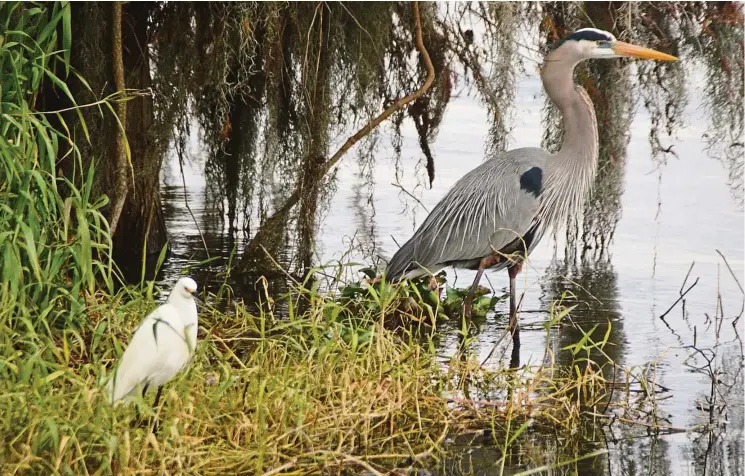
495, 215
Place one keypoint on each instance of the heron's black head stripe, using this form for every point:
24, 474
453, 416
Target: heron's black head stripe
532, 181
587, 35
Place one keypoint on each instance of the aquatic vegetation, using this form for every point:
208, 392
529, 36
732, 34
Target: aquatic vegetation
424, 299
272, 393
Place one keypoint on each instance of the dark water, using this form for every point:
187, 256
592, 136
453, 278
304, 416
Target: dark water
676, 216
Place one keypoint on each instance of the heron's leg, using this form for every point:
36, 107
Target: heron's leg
487, 262
433, 284
514, 270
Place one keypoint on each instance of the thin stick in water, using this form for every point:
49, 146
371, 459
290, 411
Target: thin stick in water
678, 300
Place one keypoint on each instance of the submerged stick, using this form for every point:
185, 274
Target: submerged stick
734, 276
678, 300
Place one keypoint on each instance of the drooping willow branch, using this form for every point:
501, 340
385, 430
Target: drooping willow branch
293, 199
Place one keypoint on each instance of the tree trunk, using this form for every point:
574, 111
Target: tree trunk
122, 167
141, 221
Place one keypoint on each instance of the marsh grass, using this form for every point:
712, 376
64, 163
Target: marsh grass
295, 394
54, 241
311, 381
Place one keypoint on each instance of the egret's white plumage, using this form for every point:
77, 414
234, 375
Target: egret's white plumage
161, 347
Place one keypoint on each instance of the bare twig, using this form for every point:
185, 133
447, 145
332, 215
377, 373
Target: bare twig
678, 300
685, 280
419, 202
734, 276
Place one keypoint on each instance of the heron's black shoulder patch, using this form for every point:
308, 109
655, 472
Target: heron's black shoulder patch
532, 181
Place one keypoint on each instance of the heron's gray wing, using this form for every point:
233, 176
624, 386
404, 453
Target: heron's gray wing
491, 206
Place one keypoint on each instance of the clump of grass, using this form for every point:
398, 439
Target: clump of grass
268, 393
54, 240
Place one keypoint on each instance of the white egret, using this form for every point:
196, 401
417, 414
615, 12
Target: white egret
160, 348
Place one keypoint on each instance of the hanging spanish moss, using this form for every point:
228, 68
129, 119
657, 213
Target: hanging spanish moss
273, 85
608, 85
682, 29
272, 90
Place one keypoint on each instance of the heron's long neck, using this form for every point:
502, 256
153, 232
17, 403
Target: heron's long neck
573, 168
580, 125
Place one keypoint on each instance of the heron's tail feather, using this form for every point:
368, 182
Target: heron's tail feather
405, 263
400, 263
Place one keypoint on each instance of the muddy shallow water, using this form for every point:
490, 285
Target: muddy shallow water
676, 216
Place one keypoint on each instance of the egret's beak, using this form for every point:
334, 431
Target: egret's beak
197, 298
627, 49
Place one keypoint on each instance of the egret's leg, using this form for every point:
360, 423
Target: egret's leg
513, 271
137, 411
157, 398
155, 410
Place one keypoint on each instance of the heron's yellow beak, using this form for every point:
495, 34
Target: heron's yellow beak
627, 49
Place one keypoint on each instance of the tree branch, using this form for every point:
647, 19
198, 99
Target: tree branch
292, 200
122, 185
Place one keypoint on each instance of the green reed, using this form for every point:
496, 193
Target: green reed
54, 241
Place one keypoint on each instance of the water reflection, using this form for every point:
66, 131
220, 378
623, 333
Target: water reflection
592, 286
607, 293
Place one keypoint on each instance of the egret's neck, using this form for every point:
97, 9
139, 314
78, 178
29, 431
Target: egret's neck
580, 141
187, 307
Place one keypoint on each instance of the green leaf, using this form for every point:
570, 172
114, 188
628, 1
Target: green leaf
61, 84
53, 376
31, 250
66, 34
